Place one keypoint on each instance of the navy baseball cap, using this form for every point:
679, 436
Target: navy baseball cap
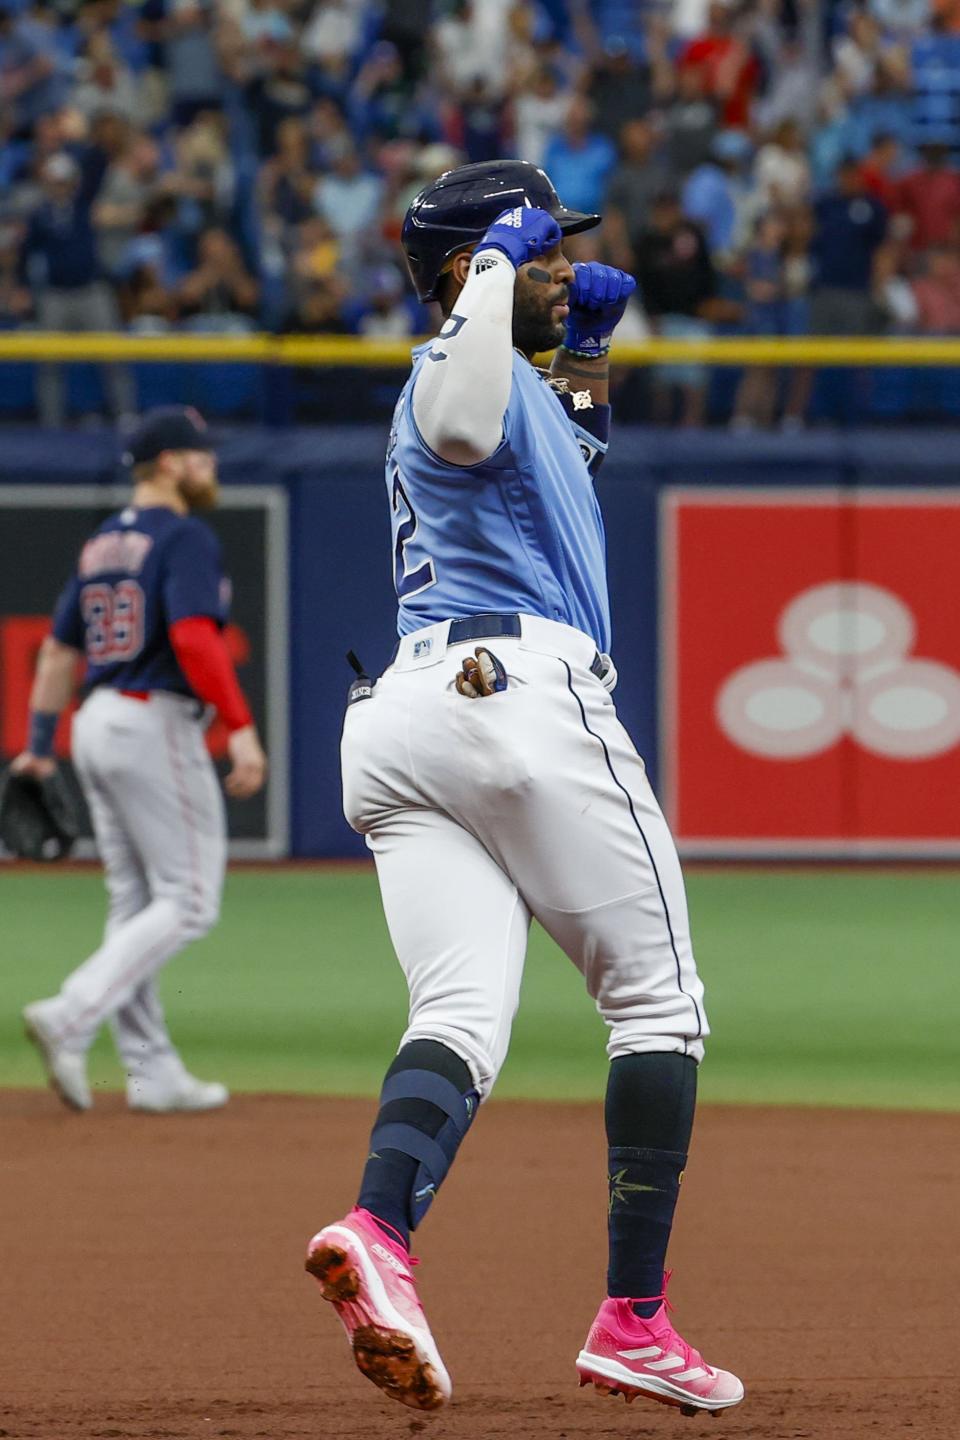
170, 427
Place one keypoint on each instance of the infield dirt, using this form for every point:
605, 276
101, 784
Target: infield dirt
153, 1283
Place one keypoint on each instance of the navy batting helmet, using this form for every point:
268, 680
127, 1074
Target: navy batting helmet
457, 209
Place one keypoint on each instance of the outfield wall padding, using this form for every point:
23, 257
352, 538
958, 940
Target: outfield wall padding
653, 488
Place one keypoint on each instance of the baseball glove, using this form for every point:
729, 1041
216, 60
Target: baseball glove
484, 675
39, 819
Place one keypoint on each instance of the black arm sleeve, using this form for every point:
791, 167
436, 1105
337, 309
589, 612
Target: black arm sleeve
591, 425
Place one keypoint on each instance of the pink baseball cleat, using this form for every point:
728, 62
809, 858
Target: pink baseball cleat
366, 1276
627, 1355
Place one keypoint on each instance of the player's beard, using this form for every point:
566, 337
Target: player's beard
534, 327
201, 492
197, 483
200, 497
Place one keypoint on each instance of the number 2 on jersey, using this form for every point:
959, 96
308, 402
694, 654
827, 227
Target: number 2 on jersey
409, 577
113, 615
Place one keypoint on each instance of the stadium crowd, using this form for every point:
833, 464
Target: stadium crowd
764, 166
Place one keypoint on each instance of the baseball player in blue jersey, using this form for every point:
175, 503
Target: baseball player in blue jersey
145, 607
493, 782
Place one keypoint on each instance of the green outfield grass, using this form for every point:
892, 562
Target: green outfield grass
823, 987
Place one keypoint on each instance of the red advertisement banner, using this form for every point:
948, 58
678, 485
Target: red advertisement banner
810, 671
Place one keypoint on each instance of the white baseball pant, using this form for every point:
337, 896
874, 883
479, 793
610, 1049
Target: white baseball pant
158, 816
530, 802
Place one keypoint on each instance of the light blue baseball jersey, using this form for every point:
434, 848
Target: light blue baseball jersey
521, 531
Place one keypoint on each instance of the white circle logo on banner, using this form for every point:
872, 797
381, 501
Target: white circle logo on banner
845, 671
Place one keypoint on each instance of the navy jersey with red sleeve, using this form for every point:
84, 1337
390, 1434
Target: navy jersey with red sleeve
143, 570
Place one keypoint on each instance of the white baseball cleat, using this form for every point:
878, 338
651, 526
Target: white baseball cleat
174, 1091
66, 1069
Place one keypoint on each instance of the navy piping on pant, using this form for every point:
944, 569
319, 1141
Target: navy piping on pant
646, 845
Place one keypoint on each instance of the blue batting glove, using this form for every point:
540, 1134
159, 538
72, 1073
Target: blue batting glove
522, 234
598, 298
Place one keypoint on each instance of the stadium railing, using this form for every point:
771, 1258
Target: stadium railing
356, 352
279, 380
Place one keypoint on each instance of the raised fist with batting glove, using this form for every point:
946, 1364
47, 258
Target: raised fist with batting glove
598, 298
522, 234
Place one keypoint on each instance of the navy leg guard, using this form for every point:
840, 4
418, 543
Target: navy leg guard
426, 1107
649, 1116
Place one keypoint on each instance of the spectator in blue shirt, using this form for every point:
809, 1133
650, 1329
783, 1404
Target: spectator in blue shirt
714, 192
186, 32
382, 101
579, 160
887, 107
831, 140
765, 293
849, 228
33, 75
349, 197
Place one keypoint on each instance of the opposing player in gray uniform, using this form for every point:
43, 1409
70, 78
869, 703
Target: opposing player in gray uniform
494, 783
145, 607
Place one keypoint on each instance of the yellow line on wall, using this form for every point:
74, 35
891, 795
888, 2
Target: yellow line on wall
331, 351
